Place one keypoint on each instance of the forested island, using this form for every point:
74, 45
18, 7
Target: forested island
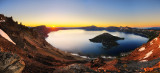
106, 39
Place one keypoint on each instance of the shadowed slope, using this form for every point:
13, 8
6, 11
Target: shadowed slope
39, 56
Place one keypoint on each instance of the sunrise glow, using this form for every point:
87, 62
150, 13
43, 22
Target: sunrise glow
79, 13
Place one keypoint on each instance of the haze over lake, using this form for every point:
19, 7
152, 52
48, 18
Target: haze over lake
77, 41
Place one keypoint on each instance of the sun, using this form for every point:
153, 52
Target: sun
53, 26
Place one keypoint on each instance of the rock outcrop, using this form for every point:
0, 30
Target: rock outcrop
103, 65
43, 30
10, 63
75, 68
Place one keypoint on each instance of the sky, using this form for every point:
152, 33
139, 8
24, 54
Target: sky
78, 13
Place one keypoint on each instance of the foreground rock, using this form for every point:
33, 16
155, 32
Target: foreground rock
106, 39
75, 68
103, 65
10, 63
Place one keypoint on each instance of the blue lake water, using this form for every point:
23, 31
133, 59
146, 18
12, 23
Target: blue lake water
77, 41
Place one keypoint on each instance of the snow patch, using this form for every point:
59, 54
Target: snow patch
156, 39
151, 43
141, 49
75, 54
79, 55
110, 57
148, 54
143, 61
103, 56
1, 20
83, 56
3, 34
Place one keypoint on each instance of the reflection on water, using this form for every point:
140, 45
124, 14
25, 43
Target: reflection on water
77, 41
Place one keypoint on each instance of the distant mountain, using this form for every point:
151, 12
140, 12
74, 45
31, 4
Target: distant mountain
138, 31
92, 28
154, 28
151, 34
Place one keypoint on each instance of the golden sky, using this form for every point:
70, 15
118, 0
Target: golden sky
79, 13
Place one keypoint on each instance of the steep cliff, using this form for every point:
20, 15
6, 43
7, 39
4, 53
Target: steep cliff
38, 55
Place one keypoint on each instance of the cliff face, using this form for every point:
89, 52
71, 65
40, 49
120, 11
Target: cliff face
147, 55
42, 30
37, 55
146, 52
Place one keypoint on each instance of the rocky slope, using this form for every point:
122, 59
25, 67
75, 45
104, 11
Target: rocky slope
10, 63
146, 52
37, 55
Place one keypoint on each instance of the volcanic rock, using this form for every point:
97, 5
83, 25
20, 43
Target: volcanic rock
75, 68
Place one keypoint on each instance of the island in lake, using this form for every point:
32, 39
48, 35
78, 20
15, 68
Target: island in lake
106, 39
